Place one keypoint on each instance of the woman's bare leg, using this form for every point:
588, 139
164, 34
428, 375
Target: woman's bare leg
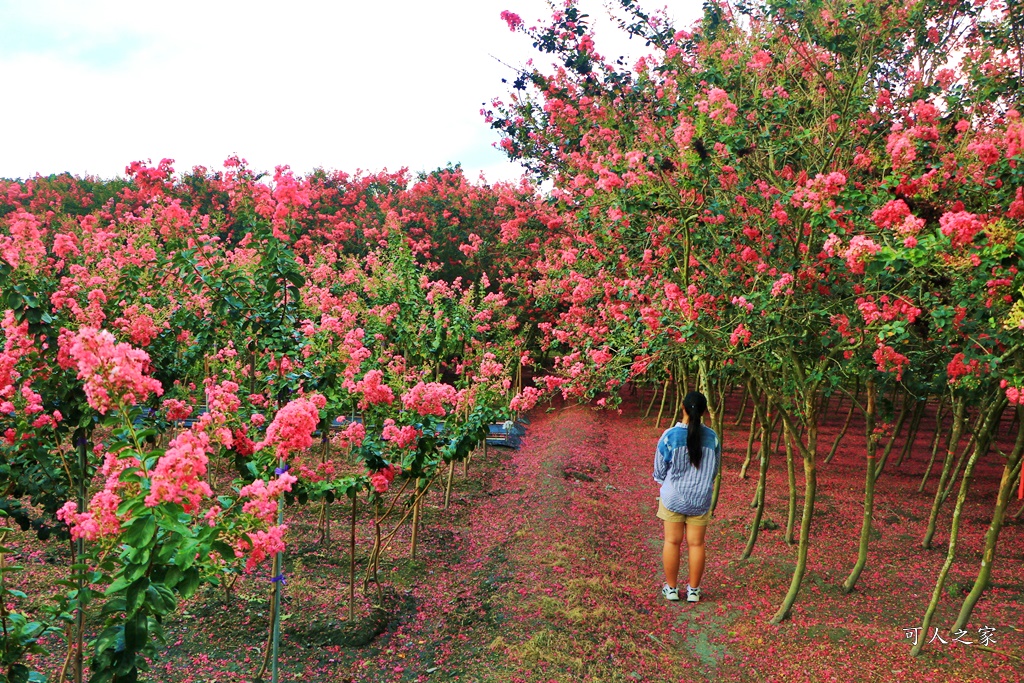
670, 553
695, 548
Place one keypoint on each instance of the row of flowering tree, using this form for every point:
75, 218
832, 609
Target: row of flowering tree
805, 199
182, 354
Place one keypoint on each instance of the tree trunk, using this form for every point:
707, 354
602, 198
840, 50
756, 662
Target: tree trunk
661, 408
842, 433
352, 562
415, 520
791, 477
743, 409
1010, 472
759, 495
650, 405
895, 434
448, 486
947, 463
992, 410
750, 445
936, 440
869, 489
809, 452
915, 425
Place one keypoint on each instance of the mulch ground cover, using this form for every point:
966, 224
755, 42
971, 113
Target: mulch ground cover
547, 567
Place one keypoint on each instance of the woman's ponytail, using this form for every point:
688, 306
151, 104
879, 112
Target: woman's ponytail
694, 403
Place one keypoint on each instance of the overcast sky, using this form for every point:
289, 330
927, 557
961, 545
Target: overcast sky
91, 85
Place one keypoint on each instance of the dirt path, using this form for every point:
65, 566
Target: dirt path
561, 575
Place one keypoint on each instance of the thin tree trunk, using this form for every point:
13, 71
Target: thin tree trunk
915, 425
661, 408
791, 477
895, 434
869, 489
936, 440
993, 409
759, 494
352, 562
448, 486
750, 446
809, 452
651, 404
846, 426
1011, 470
743, 409
947, 463
415, 520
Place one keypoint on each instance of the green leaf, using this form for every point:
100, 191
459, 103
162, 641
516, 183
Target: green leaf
136, 595
141, 531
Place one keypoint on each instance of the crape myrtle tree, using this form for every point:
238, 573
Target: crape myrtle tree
172, 343
810, 196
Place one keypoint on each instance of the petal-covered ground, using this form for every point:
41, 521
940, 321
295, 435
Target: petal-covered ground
547, 567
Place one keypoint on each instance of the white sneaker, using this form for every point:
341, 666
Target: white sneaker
692, 594
670, 593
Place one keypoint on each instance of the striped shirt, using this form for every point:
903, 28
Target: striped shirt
684, 488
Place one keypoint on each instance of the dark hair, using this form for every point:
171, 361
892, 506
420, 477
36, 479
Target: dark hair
694, 403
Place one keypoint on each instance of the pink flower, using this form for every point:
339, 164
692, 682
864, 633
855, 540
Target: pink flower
889, 360
430, 398
525, 399
741, 335
263, 497
113, 373
259, 545
782, 285
403, 437
512, 19
960, 227
292, 428
373, 390
177, 410
179, 473
860, 250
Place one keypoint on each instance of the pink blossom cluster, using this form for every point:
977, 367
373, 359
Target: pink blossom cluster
857, 254
352, 435
740, 335
430, 398
895, 215
176, 409
113, 373
526, 399
960, 227
490, 367
373, 389
179, 475
783, 285
100, 519
896, 308
257, 546
818, 192
403, 437
293, 426
24, 242
957, 368
263, 497
512, 19
1015, 395
137, 322
890, 360
381, 479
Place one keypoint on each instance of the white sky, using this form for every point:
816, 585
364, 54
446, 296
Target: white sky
91, 85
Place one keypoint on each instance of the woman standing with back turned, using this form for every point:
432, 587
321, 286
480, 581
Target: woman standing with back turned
686, 463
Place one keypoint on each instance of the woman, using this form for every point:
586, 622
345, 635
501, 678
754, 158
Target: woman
686, 463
